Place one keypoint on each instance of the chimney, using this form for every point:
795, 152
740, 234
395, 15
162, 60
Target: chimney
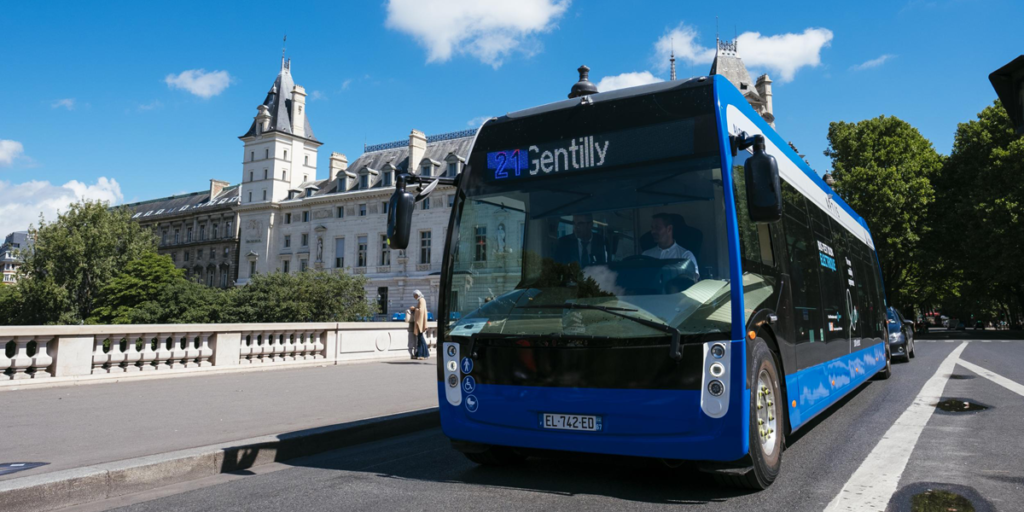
216, 186
417, 148
584, 87
339, 163
299, 111
764, 89
262, 119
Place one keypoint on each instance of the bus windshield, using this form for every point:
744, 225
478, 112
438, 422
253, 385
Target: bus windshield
571, 254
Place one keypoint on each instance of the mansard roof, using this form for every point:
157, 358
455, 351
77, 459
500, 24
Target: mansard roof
185, 204
279, 104
729, 64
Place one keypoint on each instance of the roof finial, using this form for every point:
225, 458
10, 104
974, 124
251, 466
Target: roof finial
284, 45
672, 60
716, 29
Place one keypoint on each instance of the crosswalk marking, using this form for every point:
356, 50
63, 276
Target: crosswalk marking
871, 487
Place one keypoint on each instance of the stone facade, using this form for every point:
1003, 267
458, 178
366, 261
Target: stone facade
199, 231
729, 64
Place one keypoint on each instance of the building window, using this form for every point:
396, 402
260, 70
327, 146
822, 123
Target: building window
224, 278
252, 268
264, 195
361, 252
266, 152
385, 251
186, 255
284, 266
227, 252
305, 216
341, 212
284, 175
214, 233
387, 179
286, 154
362, 210
307, 156
264, 174
287, 218
287, 241
213, 253
209, 278
163, 238
202, 232
427, 169
339, 252
199, 254
480, 241
425, 247
250, 196
177, 237
227, 231
252, 156
303, 265
384, 207
451, 200
364, 181
453, 169
426, 203
305, 178
305, 239
250, 175
188, 238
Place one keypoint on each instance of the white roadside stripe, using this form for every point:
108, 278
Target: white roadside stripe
875, 481
994, 377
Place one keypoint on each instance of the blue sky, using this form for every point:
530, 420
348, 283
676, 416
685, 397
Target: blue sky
120, 100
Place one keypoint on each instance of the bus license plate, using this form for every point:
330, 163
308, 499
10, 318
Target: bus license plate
571, 422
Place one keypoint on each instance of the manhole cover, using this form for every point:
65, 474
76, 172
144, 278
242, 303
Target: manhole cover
960, 405
13, 467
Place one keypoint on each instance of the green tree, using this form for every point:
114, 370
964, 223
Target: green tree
74, 257
11, 305
979, 219
183, 302
310, 296
142, 280
883, 169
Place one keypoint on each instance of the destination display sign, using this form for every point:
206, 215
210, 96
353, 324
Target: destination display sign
592, 152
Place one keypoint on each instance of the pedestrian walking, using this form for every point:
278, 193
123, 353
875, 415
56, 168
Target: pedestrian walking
413, 341
419, 325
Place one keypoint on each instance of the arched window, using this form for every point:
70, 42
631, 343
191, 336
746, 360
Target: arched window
266, 153
284, 175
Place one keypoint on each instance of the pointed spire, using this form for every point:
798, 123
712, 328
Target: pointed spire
284, 45
672, 61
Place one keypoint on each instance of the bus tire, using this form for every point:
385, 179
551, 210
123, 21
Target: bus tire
496, 456
886, 371
766, 423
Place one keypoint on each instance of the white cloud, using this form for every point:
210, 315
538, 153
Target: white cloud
346, 83
317, 95
199, 82
873, 63
21, 204
153, 105
68, 103
9, 150
782, 54
489, 30
477, 121
610, 83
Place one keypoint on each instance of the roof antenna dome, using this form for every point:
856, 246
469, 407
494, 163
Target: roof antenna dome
584, 87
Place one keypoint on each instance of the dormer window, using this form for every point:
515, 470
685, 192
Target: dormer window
364, 181
387, 178
453, 169
427, 170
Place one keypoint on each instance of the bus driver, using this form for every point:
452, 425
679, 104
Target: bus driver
662, 228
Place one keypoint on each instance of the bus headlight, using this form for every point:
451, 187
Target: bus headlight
717, 370
717, 350
716, 388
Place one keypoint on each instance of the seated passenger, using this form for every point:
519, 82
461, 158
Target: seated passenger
662, 228
583, 246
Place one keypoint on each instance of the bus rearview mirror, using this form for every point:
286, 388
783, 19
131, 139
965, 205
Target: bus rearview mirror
400, 209
764, 192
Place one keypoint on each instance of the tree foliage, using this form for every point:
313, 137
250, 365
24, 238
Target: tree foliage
142, 281
74, 257
311, 296
883, 169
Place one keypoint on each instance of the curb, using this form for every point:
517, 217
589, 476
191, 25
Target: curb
87, 484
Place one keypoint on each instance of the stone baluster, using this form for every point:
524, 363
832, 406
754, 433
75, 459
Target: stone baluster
192, 351
116, 356
318, 345
205, 352
276, 347
245, 348
148, 353
288, 339
163, 353
307, 345
259, 347
132, 355
42, 360
178, 352
21, 360
99, 357
5, 362
300, 347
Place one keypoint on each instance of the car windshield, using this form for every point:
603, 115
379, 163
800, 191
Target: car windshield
893, 317
649, 243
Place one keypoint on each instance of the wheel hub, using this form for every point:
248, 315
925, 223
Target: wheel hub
766, 417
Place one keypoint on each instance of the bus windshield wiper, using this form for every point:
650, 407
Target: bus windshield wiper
674, 351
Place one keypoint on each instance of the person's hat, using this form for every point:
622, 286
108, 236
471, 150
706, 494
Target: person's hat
417, 293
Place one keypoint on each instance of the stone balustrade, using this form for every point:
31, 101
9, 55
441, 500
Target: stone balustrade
84, 352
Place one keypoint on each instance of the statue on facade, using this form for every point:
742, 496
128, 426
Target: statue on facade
319, 248
501, 238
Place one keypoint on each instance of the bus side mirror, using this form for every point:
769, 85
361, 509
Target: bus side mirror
400, 209
764, 192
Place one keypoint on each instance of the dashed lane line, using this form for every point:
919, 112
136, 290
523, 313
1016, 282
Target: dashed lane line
994, 377
871, 487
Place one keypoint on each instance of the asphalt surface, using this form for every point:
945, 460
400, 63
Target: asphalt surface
75, 426
976, 455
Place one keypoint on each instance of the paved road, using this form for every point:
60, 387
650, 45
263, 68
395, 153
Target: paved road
977, 455
75, 426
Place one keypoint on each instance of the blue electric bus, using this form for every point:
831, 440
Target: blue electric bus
649, 272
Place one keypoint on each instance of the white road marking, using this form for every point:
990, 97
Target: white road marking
875, 481
994, 377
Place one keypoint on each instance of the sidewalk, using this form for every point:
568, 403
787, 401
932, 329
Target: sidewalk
70, 427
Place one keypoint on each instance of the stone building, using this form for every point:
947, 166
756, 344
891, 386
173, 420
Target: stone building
729, 64
199, 231
291, 221
12, 254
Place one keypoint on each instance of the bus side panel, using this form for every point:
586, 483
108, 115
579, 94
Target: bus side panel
815, 388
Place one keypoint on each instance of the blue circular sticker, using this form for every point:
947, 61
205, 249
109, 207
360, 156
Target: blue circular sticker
472, 403
467, 365
469, 384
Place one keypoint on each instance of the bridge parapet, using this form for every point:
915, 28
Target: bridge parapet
99, 352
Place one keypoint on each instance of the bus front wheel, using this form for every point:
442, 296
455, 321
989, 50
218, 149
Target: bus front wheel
766, 423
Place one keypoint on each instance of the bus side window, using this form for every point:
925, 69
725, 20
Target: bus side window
803, 266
